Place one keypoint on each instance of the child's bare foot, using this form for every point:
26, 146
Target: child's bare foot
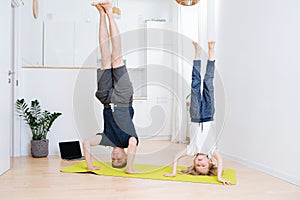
106, 4
211, 50
197, 50
99, 7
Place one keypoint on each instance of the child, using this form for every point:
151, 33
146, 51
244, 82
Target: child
202, 145
115, 93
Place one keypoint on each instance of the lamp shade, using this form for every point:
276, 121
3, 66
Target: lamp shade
187, 2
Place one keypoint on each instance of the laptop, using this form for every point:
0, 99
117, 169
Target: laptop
70, 150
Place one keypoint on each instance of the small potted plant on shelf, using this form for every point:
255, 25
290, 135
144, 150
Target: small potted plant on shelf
39, 122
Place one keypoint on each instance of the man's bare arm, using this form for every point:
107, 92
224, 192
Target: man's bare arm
132, 146
87, 143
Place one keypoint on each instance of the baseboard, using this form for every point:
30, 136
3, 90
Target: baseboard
273, 172
156, 137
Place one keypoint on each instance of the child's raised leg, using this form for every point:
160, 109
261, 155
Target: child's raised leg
196, 96
208, 85
211, 50
197, 50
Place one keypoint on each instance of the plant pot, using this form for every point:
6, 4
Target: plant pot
39, 148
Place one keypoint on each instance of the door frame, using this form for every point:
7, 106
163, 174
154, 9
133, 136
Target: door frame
5, 67
16, 64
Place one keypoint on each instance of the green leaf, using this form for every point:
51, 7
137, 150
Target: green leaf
38, 121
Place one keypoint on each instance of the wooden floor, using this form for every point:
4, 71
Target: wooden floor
40, 178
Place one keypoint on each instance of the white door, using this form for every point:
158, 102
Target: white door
5, 85
159, 86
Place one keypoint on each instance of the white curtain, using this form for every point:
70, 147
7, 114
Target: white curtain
192, 26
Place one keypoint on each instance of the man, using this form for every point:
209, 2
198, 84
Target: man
115, 93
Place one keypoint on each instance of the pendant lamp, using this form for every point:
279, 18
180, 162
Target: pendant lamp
187, 2
116, 10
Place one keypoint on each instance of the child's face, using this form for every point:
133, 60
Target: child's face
201, 163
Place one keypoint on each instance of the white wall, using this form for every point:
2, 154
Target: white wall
56, 88
257, 50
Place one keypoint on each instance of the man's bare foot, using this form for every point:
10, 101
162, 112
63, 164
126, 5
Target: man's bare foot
106, 4
197, 50
99, 7
211, 50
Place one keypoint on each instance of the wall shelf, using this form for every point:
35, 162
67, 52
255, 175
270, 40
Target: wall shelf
59, 67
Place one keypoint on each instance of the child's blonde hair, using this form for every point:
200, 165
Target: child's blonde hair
213, 170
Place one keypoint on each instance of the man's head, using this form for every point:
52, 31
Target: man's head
118, 158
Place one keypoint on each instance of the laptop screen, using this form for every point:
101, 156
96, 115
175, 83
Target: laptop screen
70, 150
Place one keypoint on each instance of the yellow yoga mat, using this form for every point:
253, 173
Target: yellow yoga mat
154, 172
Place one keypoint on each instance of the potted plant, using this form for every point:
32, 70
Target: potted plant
39, 122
